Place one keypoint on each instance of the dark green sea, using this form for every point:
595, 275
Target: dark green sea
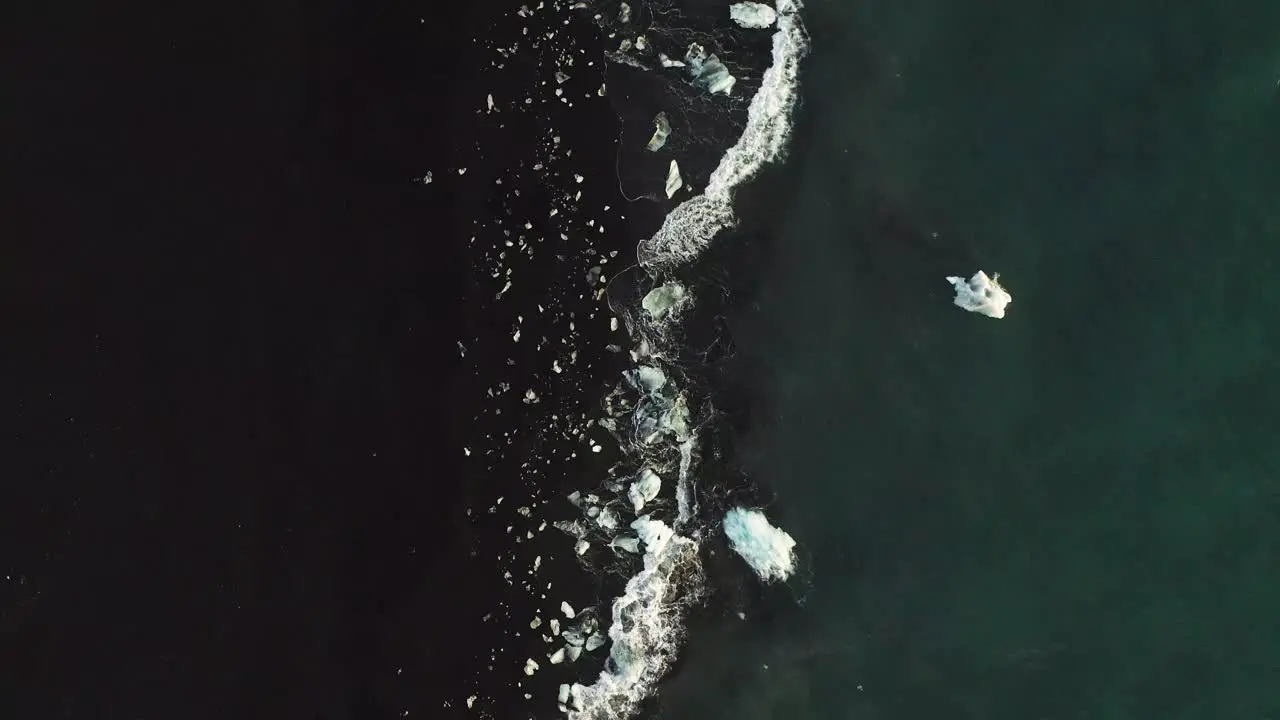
1070, 513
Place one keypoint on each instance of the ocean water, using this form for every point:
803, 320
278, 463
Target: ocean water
869, 502
1073, 512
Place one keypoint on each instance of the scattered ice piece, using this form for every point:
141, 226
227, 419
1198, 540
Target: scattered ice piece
489, 101
567, 609
708, 71
647, 378
462, 171
530, 667
574, 653
563, 696
981, 294
426, 179
624, 13
629, 544
668, 62
661, 129
574, 637
535, 623
557, 657
768, 550
471, 701
653, 533
674, 182
595, 641
607, 519
752, 15
581, 546
555, 626
660, 300
644, 489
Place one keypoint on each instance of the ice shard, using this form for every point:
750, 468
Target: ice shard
981, 294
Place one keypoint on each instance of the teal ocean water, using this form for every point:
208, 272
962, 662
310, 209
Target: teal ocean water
1073, 512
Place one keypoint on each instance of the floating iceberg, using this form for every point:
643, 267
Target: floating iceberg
981, 294
708, 71
768, 550
644, 489
752, 14
661, 129
674, 182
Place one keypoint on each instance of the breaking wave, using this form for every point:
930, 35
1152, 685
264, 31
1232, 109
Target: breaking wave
652, 412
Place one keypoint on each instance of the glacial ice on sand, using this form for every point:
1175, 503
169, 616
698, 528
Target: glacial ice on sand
981, 294
769, 550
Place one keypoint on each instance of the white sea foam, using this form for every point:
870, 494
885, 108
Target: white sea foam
690, 227
647, 620
769, 550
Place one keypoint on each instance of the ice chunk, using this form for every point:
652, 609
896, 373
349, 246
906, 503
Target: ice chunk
595, 641
674, 182
574, 637
752, 14
653, 533
644, 489
556, 657
567, 609
628, 544
708, 71
981, 294
648, 378
607, 519
663, 299
530, 667
563, 696
661, 129
581, 546
768, 550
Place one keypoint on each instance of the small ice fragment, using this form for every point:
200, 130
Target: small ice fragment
752, 15
581, 546
462, 171
624, 13
644, 489
662, 299
489, 101
563, 696
661, 129
674, 182
535, 623
648, 378
574, 637
471, 701
768, 550
981, 294
595, 641
627, 544
567, 609
555, 626
607, 519
557, 657
708, 71
530, 667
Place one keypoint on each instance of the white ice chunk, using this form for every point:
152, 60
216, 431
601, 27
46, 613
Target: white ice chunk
489, 101
668, 62
674, 182
648, 378
981, 294
653, 533
607, 519
661, 129
581, 546
595, 641
567, 609
708, 71
574, 637
628, 544
530, 667
644, 489
752, 14
557, 657
767, 549
563, 696
662, 299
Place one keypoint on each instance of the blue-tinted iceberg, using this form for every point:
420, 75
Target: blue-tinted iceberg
769, 551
